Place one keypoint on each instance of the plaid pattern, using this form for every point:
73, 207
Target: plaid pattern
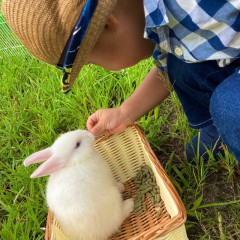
194, 30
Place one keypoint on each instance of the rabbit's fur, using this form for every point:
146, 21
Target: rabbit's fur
81, 190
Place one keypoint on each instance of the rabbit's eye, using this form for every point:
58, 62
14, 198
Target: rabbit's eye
77, 144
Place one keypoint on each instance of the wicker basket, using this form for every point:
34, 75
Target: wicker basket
125, 153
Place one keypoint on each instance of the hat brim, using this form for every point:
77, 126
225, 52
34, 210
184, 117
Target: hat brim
44, 27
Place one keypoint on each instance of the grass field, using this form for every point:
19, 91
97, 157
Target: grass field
33, 112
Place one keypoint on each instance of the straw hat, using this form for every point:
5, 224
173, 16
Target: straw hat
44, 26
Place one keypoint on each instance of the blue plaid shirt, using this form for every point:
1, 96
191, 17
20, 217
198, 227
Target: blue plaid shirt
194, 30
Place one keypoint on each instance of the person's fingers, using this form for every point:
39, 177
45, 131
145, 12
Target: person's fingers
97, 130
104, 122
91, 122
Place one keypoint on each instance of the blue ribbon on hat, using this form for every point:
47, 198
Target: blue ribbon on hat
72, 47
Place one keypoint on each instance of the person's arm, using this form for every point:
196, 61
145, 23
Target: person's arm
148, 95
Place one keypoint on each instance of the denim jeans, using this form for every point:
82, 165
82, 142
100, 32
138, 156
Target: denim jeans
209, 94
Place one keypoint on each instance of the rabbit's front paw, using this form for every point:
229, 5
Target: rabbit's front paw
128, 206
120, 186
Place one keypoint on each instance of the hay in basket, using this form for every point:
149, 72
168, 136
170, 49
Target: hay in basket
126, 152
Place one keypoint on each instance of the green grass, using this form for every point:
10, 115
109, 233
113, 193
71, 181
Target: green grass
33, 112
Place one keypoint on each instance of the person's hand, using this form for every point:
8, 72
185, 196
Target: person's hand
108, 121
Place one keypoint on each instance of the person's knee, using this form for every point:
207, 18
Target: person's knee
225, 111
225, 102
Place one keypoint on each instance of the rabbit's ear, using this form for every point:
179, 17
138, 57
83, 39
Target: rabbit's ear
38, 157
51, 165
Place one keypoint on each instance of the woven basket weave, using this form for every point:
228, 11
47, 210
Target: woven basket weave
125, 153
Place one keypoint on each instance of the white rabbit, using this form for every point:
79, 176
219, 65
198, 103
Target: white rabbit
81, 191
